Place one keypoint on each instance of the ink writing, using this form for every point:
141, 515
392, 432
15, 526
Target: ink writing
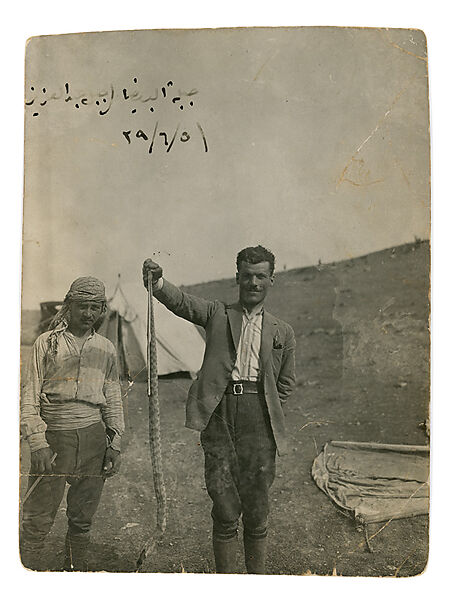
161, 102
167, 139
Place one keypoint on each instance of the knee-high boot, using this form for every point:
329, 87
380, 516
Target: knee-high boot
255, 554
225, 555
76, 558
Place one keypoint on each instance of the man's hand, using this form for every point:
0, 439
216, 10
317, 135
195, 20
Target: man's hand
111, 462
151, 268
41, 461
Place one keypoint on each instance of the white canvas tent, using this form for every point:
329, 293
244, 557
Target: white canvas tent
180, 346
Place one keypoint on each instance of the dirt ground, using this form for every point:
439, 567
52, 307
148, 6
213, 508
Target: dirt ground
363, 375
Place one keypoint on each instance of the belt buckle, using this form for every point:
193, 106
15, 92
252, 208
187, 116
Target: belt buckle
237, 389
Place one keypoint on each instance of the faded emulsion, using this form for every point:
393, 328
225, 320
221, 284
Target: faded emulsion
279, 180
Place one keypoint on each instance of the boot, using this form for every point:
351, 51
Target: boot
225, 555
255, 554
76, 558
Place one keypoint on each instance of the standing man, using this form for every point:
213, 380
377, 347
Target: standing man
236, 401
72, 413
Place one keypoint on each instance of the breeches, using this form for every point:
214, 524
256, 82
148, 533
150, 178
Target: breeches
79, 461
240, 451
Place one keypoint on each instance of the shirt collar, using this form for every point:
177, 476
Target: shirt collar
257, 310
91, 333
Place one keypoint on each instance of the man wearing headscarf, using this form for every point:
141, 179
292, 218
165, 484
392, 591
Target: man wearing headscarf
72, 418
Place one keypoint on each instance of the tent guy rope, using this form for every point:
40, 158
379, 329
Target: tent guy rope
154, 430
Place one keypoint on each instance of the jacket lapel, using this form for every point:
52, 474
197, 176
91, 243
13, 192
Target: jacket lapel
235, 316
268, 333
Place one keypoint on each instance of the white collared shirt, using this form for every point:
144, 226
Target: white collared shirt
247, 358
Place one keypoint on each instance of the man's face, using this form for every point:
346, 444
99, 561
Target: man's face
254, 281
83, 315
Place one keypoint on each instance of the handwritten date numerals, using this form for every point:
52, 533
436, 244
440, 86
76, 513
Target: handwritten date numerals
166, 139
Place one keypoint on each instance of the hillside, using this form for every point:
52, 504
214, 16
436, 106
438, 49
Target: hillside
365, 317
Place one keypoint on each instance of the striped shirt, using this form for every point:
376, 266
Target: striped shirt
79, 387
247, 359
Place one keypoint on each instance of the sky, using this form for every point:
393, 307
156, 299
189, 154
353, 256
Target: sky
311, 141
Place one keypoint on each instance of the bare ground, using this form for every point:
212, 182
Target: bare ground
363, 375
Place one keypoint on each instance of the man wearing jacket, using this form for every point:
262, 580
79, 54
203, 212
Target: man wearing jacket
236, 401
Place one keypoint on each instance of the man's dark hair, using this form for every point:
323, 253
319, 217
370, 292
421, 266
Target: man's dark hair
255, 255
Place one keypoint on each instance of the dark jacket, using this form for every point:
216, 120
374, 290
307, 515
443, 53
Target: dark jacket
222, 325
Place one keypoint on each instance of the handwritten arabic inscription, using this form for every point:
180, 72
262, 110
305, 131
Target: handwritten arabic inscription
134, 99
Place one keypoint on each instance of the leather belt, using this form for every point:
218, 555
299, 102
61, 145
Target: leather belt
238, 388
